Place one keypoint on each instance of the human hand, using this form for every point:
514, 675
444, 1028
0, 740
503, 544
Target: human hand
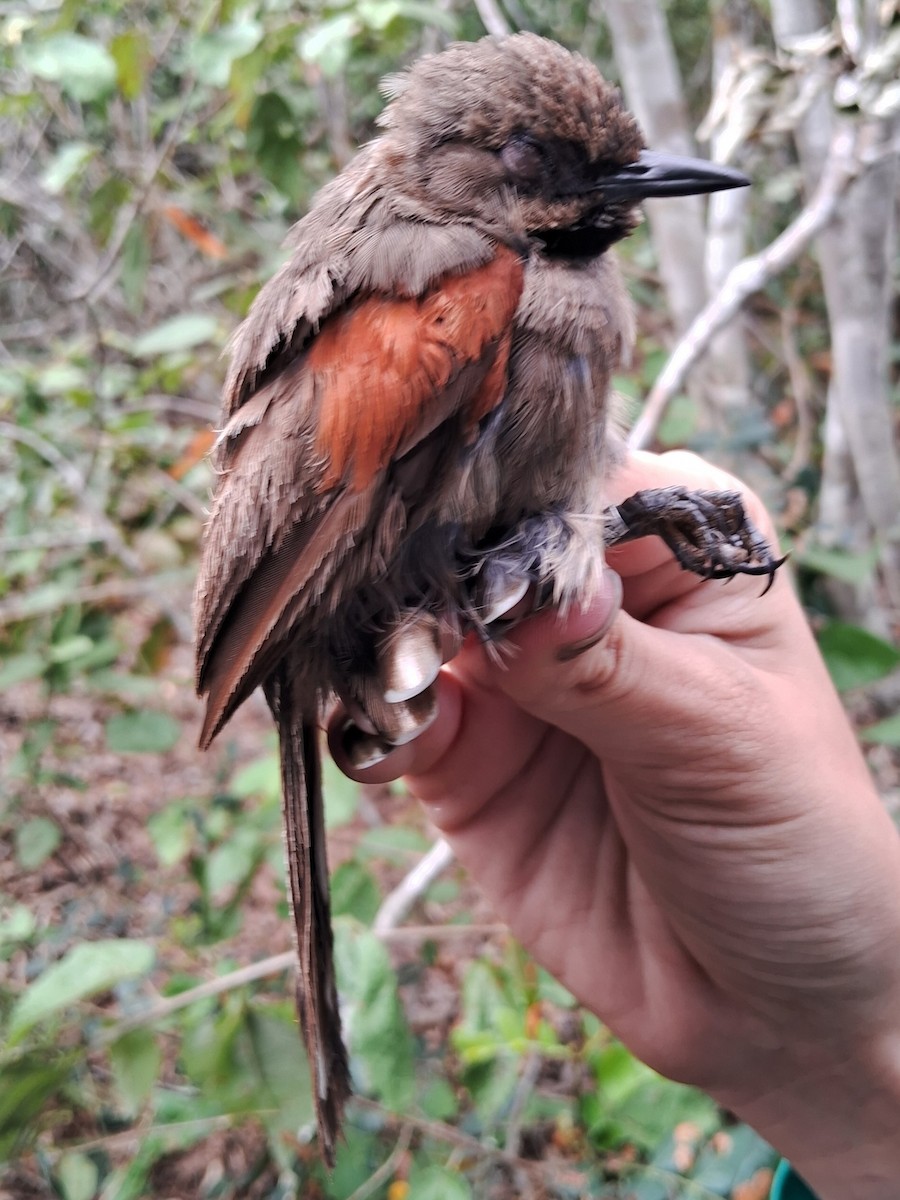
678, 823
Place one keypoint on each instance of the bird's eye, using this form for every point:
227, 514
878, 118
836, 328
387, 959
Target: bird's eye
524, 159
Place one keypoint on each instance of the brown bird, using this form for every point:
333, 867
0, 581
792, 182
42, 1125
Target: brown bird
418, 429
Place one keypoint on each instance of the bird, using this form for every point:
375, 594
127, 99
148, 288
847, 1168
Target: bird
418, 428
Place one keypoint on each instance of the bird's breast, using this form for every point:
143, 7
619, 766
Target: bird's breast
546, 446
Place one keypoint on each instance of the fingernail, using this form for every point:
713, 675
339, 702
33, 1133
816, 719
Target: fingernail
361, 749
610, 594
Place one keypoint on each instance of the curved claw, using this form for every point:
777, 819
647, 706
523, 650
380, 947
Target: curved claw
709, 533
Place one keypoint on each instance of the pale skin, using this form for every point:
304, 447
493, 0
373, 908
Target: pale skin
678, 823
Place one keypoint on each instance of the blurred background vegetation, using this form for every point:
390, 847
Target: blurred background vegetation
153, 157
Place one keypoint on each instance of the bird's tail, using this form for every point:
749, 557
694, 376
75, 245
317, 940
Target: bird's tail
307, 867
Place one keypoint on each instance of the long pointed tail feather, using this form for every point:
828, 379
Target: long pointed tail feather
307, 866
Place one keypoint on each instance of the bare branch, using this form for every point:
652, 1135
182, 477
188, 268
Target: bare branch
802, 389
401, 900
103, 277
75, 482
851, 32
275, 964
843, 165
387, 1168
492, 18
645, 57
111, 591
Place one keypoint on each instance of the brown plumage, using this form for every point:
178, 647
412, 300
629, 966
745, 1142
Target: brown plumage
418, 428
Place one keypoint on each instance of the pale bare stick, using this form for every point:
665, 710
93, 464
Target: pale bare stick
492, 18
398, 903
843, 165
275, 964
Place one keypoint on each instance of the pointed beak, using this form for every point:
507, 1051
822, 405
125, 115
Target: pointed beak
655, 174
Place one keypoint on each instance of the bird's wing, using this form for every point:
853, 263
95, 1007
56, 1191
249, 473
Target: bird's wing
305, 462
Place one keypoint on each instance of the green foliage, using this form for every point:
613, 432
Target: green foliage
854, 656
85, 970
142, 733
154, 159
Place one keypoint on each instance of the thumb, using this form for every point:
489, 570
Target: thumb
633, 693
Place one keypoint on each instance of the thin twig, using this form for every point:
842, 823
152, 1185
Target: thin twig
110, 591
266, 967
406, 894
76, 483
127, 216
841, 168
439, 1131
492, 18
50, 539
531, 1069
802, 389
181, 494
387, 1168
275, 964
851, 33
204, 411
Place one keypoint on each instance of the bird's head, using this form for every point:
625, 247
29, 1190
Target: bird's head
522, 136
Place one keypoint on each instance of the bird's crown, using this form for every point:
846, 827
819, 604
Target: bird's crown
487, 92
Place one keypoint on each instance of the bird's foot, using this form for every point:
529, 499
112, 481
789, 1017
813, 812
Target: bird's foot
518, 576
709, 533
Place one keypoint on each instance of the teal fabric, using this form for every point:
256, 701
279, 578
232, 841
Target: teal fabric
787, 1185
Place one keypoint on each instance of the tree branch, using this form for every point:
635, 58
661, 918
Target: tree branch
401, 900
843, 165
492, 18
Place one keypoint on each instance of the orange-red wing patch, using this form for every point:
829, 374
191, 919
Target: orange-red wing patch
383, 366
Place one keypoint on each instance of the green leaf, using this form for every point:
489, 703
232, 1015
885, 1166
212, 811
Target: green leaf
839, 564
131, 53
86, 970
378, 14
341, 796
172, 834
378, 1032
70, 648
135, 1060
17, 925
279, 1058
885, 733
36, 840
82, 67
854, 656
358, 1154
77, 1176
438, 1101
262, 778
145, 732
328, 44
212, 55
492, 1085
354, 892
679, 422
732, 1159
273, 137
634, 1104
394, 843
65, 165
136, 258
19, 667
231, 863
26, 1085
437, 1183
176, 334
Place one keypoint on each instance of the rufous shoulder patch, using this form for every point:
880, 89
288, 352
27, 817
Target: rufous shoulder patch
381, 365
